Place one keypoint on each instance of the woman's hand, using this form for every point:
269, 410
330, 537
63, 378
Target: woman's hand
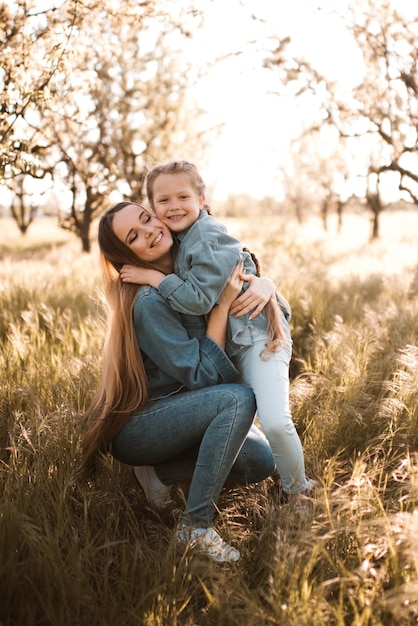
232, 288
254, 298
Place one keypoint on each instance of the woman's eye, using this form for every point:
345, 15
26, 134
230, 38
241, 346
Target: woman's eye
132, 239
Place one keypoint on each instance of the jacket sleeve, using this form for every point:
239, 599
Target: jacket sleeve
209, 261
161, 335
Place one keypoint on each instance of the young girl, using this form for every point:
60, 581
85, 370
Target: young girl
259, 344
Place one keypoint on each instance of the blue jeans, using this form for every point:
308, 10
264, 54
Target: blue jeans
199, 436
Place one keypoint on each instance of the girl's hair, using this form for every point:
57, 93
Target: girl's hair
274, 325
123, 388
175, 167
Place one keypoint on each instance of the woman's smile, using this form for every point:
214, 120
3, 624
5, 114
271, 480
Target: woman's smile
157, 239
147, 236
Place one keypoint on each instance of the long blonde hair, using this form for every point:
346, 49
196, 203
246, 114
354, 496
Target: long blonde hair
123, 388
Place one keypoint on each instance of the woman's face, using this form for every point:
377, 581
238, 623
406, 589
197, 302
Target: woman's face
148, 237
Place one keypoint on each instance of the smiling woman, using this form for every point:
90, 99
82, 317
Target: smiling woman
147, 236
165, 403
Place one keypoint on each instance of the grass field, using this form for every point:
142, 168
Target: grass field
93, 553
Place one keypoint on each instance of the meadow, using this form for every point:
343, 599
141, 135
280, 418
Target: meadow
77, 552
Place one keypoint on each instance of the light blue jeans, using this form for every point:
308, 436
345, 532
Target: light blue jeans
205, 437
270, 382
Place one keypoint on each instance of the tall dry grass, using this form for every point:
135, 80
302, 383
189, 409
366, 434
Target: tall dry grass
93, 553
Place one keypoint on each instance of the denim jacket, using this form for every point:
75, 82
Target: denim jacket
176, 351
206, 256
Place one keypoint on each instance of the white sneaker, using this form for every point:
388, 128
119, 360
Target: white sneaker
302, 503
208, 540
309, 491
156, 493
311, 486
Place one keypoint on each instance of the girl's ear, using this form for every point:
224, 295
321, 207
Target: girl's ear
202, 202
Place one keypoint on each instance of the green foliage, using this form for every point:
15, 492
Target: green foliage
80, 552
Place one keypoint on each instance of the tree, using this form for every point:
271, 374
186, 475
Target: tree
120, 108
379, 115
33, 44
93, 115
24, 206
315, 177
387, 99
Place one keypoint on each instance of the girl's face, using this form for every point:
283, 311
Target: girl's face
176, 202
147, 236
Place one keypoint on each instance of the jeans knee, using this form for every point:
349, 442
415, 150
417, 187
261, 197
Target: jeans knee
237, 404
245, 400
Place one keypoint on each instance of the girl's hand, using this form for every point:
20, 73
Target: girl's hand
255, 297
134, 274
141, 276
232, 288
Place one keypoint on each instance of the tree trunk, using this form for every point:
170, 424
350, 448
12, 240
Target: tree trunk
85, 239
324, 215
375, 226
340, 206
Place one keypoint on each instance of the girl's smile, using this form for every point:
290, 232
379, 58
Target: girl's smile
176, 202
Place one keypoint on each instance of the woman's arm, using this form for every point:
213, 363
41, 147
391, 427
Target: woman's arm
194, 361
162, 336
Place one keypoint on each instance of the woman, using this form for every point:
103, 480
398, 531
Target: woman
166, 403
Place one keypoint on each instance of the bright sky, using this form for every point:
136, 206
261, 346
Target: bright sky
259, 125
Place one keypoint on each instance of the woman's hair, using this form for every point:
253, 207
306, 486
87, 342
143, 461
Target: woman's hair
123, 388
175, 167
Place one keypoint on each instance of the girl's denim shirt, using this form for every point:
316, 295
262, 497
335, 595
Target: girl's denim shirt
206, 256
176, 351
